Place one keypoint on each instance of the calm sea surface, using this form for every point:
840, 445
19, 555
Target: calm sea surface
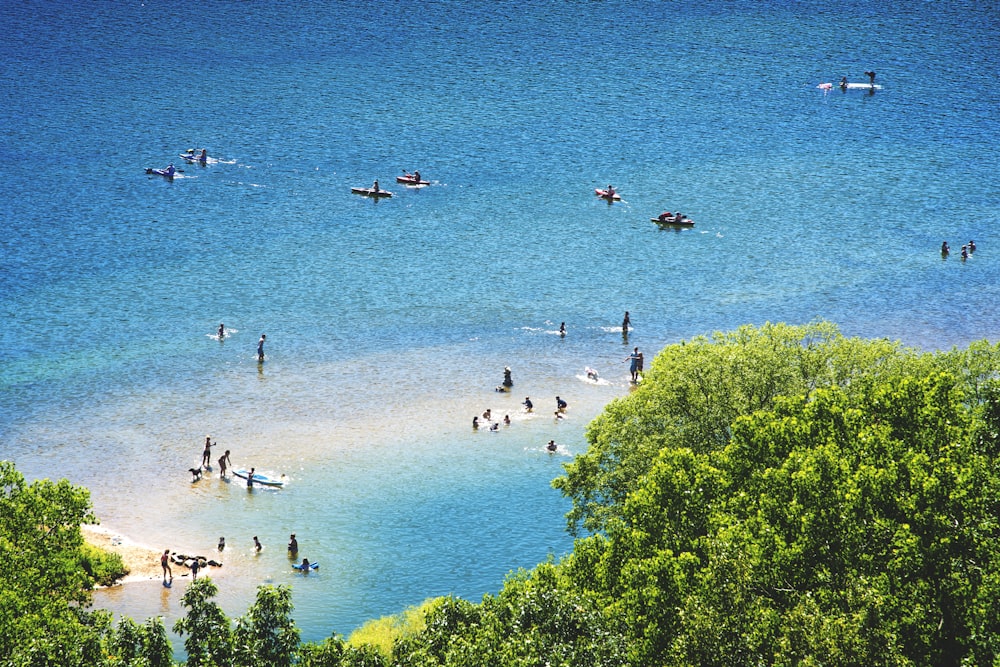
389, 322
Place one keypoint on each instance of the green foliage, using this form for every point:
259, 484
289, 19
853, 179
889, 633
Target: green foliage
693, 393
847, 514
139, 645
536, 619
385, 632
266, 634
103, 567
44, 591
210, 637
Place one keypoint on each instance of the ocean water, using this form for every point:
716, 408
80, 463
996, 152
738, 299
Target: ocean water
389, 322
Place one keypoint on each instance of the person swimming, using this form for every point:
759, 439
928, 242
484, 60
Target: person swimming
552, 446
592, 374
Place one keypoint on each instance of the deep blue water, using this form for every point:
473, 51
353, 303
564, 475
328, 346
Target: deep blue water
389, 322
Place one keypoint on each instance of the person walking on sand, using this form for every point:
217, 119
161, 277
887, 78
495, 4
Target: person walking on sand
206, 456
260, 347
165, 564
223, 462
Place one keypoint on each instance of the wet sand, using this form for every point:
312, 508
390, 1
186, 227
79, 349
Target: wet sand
142, 561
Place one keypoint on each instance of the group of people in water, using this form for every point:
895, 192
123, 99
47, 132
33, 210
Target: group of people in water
967, 249
486, 419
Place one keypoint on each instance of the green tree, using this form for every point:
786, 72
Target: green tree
266, 634
834, 525
44, 588
695, 390
209, 640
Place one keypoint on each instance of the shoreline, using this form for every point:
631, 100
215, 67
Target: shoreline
142, 561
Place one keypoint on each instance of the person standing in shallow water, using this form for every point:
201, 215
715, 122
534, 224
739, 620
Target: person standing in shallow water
635, 358
260, 347
206, 456
626, 323
165, 564
223, 462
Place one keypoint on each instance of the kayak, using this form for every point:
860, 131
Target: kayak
674, 221
161, 172
410, 179
371, 192
259, 478
194, 158
604, 194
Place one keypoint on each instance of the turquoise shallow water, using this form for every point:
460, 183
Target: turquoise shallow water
390, 322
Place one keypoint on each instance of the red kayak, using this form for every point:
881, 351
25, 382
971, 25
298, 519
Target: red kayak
604, 194
410, 179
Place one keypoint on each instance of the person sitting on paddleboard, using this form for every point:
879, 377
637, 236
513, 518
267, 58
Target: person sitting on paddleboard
375, 186
843, 82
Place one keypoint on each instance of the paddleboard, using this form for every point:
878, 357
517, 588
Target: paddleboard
259, 478
863, 86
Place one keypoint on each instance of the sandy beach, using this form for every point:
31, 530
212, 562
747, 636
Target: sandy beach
142, 561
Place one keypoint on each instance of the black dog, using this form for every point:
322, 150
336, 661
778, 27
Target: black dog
195, 474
